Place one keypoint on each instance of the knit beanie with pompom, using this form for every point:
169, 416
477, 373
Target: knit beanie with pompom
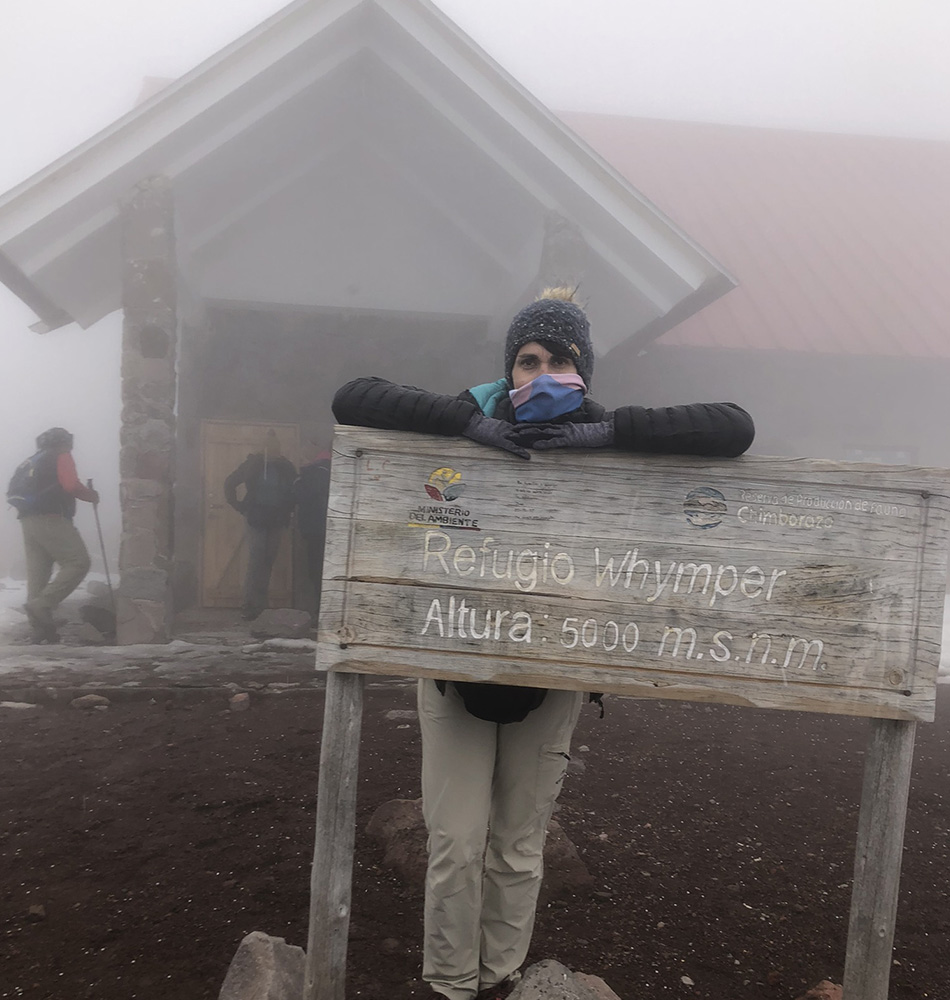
558, 323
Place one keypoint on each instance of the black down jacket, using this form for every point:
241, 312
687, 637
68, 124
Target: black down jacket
712, 429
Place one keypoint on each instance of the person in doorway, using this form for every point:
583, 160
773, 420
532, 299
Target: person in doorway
44, 490
493, 755
311, 492
267, 504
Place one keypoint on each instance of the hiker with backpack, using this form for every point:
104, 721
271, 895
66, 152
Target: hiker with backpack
267, 504
494, 755
44, 490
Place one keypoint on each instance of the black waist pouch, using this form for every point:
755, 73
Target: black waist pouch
497, 702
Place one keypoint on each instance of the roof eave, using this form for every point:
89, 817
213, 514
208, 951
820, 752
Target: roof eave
51, 316
711, 290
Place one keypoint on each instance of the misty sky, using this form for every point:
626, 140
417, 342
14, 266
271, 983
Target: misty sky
877, 66
67, 69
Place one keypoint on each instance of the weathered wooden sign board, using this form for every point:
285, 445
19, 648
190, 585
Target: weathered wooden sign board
773, 583
776, 583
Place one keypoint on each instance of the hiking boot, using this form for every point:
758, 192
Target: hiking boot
42, 626
39, 617
500, 990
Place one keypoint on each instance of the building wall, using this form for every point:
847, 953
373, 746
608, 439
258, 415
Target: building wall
363, 237
892, 410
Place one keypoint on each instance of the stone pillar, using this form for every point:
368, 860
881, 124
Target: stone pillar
189, 489
147, 437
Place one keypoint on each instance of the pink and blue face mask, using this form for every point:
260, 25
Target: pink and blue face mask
547, 397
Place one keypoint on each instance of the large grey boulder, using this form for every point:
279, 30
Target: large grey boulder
400, 830
549, 980
264, 968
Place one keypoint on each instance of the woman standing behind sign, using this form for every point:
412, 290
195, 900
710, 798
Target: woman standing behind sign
493, 755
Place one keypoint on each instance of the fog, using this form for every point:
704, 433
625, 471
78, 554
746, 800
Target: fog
68, 70
67, 379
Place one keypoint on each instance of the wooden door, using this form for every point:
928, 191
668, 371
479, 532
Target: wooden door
224, 445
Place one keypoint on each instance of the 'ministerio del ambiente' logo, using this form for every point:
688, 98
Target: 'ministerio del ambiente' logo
443, 487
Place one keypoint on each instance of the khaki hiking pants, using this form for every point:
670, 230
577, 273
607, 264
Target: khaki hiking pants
51, 539
488, 791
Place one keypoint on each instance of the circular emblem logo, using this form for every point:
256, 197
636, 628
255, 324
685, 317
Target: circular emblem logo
704, 507
445, 485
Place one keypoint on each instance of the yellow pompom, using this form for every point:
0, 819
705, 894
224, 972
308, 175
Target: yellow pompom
562, 292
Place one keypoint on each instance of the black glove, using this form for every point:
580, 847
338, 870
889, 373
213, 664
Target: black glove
547, 436
494, 433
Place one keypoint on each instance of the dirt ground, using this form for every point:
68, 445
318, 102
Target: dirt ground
155, 834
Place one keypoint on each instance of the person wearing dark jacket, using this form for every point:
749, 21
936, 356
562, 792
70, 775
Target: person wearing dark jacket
493, 755
49, 536
268, 502
311, 492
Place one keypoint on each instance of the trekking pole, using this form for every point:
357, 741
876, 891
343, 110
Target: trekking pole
105, 562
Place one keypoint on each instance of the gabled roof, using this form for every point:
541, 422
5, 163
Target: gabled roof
840, 243
334, 115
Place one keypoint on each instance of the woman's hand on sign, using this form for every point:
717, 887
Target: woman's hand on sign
496, 434
543, 437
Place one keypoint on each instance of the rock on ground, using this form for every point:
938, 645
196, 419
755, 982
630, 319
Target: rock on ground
100, 618
281, 623
88, 635
549, 980
399, 828
825, 990
90, 701
264, 968
563, 869
595, 986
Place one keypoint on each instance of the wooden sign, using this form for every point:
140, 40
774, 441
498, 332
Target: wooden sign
778, 583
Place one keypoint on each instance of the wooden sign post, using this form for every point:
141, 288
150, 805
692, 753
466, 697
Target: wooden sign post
771, 583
